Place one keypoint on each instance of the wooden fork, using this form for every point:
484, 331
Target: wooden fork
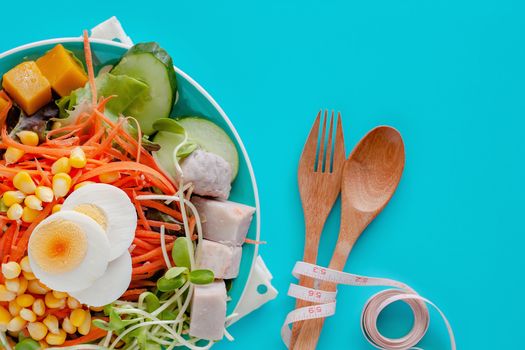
320, 170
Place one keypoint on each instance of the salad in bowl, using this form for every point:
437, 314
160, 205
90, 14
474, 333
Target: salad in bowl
118, 230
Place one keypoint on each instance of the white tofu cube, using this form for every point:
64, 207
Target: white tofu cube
224, 221
208, 311
223, 260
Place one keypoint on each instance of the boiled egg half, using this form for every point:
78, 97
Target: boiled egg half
83, 248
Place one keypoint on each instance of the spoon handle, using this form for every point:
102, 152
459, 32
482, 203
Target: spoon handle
353, 223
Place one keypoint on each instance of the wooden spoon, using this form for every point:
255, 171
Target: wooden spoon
370, 177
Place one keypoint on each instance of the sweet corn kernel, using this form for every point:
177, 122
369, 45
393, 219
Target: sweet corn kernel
28, 315
36, 287
11, 269
15, 212
54, 303
6, 295
39, 307
23, 182
83, 183
51, 323
29, 215
68, 326
14, 308
13, 197
61, 184
96, 308
33, 202
28, 138
42, 343
44, 193
5, 316
59, 295
13, 155
37, 330
77, 317
22, 288
16, 324
73, 303
61, 165
24, 264
77, 158
29, 276
85, 327
109, 177
12, 284
25, 300
56, 208
56, 339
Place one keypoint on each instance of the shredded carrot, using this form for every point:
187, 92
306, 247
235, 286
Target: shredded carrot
152, 234
155, 253
167, 225
94, 334
162, 208
157, 178
148, 267
252, 241
131, 292
9, 235
89, 64
142, 244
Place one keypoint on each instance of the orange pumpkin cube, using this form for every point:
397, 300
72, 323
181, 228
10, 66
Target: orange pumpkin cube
62, 71
3, 104
27, 87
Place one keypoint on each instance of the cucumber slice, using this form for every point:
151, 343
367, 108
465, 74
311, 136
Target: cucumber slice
151, 64
202, 132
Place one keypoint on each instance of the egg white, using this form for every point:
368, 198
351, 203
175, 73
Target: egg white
121, 216
108, 288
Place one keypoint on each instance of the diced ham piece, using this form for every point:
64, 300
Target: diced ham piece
208, 311
210, 174
224, 221
223, 260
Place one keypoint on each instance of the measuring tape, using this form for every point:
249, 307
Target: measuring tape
325, 303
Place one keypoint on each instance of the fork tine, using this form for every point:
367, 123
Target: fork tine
328, 159
320, 148
308, 155
339, 149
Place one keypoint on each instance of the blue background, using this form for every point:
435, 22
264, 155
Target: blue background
448, 74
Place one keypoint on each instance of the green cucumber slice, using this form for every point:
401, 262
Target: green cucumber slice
202, 132
151, 64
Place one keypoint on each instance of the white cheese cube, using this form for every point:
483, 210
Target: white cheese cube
208, 311
224, 221
223, 260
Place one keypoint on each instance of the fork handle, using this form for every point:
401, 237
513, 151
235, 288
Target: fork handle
311, 247
353, 223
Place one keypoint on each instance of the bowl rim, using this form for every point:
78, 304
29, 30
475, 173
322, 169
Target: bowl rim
215, 105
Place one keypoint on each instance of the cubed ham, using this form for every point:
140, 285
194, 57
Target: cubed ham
210, 174
224, 221
223, 260
208, 311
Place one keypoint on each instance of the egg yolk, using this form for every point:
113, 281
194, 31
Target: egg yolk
59, 246
93, 212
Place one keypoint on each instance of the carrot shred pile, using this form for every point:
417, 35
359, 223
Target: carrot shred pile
109, 148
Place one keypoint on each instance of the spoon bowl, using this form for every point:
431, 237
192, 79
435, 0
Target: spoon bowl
373, 170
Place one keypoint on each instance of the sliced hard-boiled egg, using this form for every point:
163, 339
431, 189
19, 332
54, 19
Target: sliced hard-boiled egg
110, 286
68, 251
111, 208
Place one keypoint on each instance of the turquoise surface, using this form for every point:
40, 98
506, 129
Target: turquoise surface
448, 74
